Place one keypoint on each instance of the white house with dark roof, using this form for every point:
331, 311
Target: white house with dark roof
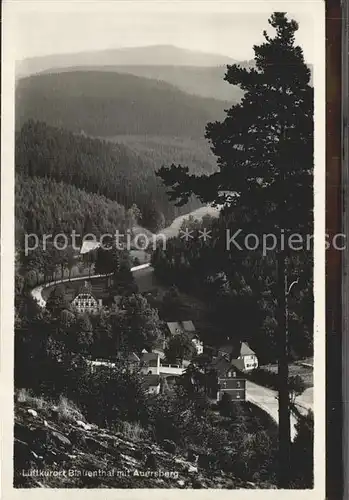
243, 356
248, 356
186, 328
85, 302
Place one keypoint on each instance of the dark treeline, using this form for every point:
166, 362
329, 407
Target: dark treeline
95, 166
239, 287
44, 206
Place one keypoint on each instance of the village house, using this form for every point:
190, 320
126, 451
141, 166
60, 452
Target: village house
150, 363
223, 368
151, 383
243, 354
85, 302
132, 361
186, 328
227, 378
89, 246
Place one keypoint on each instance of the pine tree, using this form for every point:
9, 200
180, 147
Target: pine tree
178, 348
264, 150
140, 324
57, 301
264, 147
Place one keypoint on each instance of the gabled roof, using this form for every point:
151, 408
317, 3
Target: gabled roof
227, 349
150, 381
89, 245
246, 350
177, 327
85, 289
221, 365
239, 364
133, 357
188, 326
85, 295
149, 356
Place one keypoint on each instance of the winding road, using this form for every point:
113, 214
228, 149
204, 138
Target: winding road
267, 400
36, 292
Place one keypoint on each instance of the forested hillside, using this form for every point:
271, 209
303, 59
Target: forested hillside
44, 206
158, 151
108, 104
95, 166
238, 287
204, 81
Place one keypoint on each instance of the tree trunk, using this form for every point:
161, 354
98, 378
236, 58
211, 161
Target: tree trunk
284, 405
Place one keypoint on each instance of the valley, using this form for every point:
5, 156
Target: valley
141, 141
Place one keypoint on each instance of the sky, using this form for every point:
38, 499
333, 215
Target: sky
42, 28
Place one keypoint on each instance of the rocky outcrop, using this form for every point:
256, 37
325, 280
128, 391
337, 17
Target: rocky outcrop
61, 453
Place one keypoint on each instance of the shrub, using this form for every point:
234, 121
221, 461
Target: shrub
169, 446
207, 461
24, 396
192, 454
132, 430
151, 462
225, 460
118, 394
225, 405
68, 411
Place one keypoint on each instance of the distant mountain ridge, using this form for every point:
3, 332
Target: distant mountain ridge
195, 80
108, 104
154, 55
194, 72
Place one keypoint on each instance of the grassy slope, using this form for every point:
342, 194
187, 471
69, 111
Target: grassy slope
52, 439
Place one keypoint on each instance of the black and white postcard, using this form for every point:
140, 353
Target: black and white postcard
163, 249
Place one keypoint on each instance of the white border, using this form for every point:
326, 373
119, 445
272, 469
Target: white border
10, 10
